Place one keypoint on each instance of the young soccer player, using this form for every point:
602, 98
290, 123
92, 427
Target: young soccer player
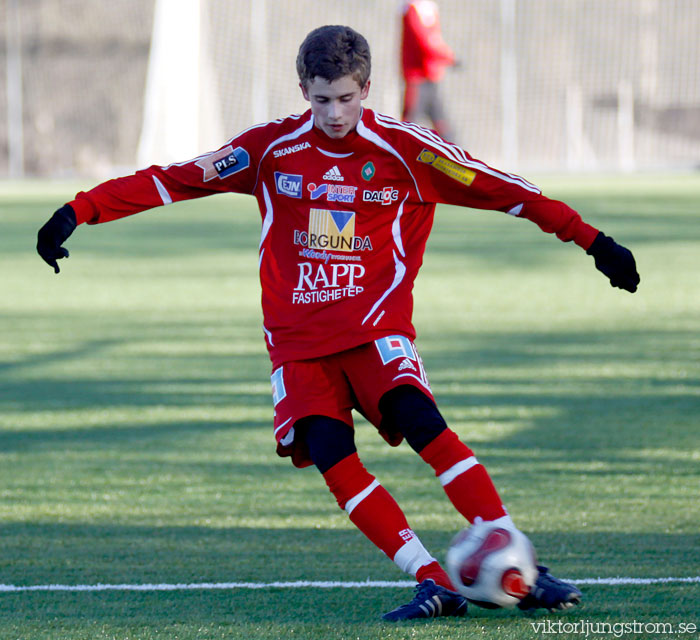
347, 198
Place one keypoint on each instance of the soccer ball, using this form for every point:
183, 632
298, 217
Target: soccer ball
492, 565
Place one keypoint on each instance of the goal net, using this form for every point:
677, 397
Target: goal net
542, 85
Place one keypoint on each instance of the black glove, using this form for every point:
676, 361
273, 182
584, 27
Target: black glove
53, 234
615, 261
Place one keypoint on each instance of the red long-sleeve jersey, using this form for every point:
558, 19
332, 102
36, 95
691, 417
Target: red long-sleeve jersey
344, 222
424, 53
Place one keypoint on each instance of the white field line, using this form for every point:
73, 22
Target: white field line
368, 584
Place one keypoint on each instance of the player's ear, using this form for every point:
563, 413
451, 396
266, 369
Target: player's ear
304, 92
364, 92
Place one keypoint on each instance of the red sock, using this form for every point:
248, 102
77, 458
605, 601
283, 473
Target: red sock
435, 572
466, 482
374, 512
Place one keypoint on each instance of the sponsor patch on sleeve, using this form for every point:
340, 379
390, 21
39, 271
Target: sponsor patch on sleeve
452, 169
224, 162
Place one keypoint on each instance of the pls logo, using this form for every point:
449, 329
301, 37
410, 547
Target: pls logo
223, 163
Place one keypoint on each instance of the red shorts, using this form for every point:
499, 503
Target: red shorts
334, 385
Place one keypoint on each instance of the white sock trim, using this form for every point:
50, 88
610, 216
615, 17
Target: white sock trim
505, 521
412, 556
463, 465
355, 500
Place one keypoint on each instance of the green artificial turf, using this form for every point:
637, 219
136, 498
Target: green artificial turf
135, 423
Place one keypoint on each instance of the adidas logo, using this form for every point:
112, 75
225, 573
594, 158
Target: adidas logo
333, 174
406, 364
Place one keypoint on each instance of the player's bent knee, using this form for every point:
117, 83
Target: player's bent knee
407, 410
328, 440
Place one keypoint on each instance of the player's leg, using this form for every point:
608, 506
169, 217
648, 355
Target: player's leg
465, 481
313, 425
399, 402
370, 507
366, 369
396, 397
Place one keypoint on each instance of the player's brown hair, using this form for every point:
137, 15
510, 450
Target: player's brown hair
332, 52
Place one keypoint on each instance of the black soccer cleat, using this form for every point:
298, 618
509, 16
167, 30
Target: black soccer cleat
550, 593
431, 601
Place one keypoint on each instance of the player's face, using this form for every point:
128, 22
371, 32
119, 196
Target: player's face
336, 105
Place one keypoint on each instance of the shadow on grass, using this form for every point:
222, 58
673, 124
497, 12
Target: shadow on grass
583, 408
84, 553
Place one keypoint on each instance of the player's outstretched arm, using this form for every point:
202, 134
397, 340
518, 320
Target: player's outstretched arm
53, 234
615, 261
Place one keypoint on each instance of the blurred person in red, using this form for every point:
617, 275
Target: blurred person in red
424, 58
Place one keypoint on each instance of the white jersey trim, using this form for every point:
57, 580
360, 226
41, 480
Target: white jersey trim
330, 154
230, 140
452, 151
269, 335
307, 126
396, 228
399, 273
375, 138
162, 191
269, 218
267, 223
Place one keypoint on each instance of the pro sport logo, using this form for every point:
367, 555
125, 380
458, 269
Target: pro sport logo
288, 184
224, 163
333, 192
